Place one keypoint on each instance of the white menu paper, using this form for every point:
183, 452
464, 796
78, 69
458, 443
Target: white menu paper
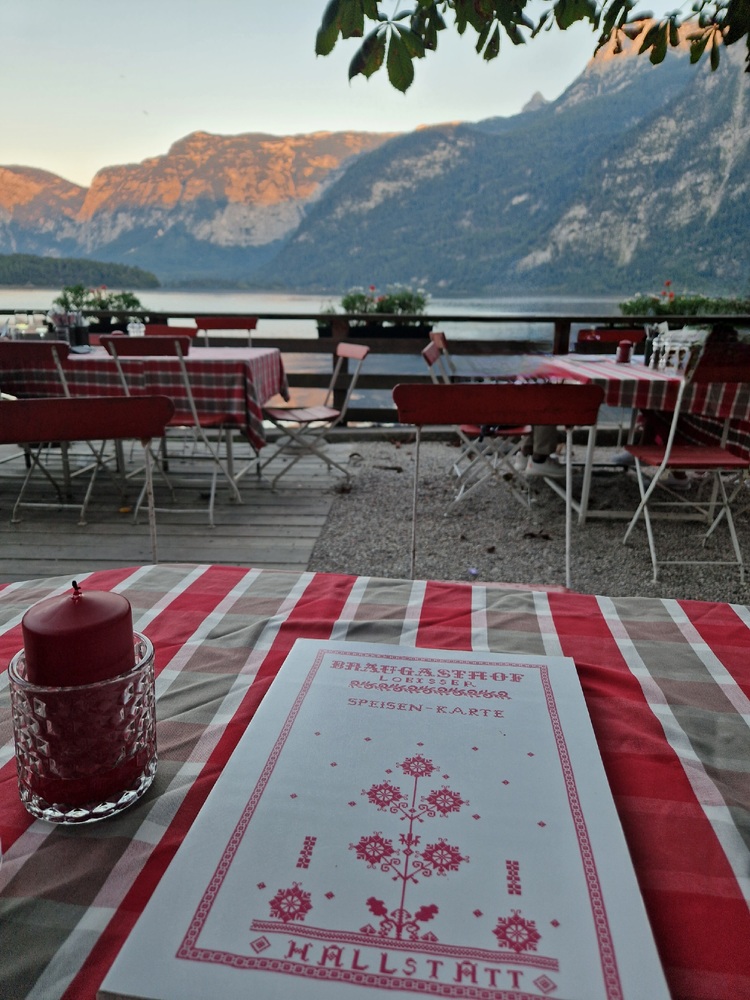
402, 821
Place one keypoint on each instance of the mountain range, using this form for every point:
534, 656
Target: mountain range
634, 175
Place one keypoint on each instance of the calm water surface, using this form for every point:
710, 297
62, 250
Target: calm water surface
251, 303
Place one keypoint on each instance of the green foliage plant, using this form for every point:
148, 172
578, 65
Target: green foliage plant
400, 36
395, 301
78, 298
670, 303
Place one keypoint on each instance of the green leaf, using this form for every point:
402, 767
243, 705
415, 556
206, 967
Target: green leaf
400, 68
412, 41
369, 56
568, 12
328, 32
716, 51
698, 46
492, 49
351, 18
738, 19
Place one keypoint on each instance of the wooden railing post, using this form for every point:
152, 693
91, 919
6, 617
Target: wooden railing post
561, 338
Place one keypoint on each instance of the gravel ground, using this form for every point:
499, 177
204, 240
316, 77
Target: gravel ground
490, 536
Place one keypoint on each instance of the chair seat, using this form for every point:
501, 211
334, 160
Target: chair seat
301, 414
688, 457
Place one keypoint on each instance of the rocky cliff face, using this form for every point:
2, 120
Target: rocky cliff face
635, 174
224, 191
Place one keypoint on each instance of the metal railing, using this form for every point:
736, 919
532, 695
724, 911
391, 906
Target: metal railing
309, 360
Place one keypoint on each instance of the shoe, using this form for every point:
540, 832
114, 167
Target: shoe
675, 482
549, 467
623, 458
519, 461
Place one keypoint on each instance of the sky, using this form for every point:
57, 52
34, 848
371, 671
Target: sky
86, 84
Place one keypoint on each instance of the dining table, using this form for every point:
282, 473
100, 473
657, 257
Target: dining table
666, 684
232, 382
636, 386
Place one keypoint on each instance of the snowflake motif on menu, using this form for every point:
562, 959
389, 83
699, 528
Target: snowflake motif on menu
404, 859
517, 933
291, 904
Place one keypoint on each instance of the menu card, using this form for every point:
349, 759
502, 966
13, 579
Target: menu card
401, 820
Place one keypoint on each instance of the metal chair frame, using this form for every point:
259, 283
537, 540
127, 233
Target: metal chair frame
41, 353
484, 453
178, 346
490, 403
303, 428
727, 364
27, 421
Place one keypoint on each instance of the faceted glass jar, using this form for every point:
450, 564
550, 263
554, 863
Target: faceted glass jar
87, 751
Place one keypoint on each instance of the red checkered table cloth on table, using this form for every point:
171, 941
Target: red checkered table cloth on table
634, 386
226, 381
667, 684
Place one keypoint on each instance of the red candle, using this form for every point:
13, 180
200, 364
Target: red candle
78, 638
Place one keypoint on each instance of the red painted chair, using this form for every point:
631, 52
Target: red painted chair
206, 323
31, 422
493, 403
303, 428
177, 346
728, 365
483, 454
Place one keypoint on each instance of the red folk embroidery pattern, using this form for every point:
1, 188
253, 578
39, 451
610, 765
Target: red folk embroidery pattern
407, 860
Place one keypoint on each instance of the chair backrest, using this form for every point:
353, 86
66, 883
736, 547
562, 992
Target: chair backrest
493, 403
165, 330
206, 323
434, 360
174, 345
226, 322
720, 362
438, 337
28, 355
100, 417
346, 351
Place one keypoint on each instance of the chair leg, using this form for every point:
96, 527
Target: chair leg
413, 557
726, 510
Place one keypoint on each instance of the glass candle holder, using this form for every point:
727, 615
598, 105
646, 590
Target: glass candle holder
87, 751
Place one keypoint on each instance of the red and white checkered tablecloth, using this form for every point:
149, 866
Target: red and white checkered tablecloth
232, 383
667, 684
634, 386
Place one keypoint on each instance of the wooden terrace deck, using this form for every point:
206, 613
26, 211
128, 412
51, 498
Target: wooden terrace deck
270, 529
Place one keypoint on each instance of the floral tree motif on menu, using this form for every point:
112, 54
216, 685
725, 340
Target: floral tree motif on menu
405, 859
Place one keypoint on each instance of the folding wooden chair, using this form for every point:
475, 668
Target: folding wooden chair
115, 418
38, 366
547, 404
727, 365
177, 346
206, 323
484, 452
303, 428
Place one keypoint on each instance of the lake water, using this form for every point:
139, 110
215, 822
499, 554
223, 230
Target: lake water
252, 303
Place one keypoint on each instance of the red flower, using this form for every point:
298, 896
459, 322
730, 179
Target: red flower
667, 283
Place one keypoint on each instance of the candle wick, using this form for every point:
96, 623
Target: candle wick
76, 590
